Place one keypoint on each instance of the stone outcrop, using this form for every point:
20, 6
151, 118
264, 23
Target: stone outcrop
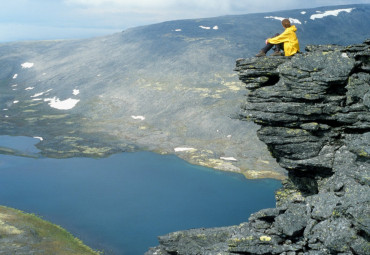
314, 112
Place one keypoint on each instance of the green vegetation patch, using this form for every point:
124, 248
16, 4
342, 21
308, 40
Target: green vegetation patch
26, 232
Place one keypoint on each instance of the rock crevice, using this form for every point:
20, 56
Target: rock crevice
314, 113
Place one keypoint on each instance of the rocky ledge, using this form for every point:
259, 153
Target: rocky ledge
314, 112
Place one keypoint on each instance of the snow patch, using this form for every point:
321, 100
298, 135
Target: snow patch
138, 117
76, 92
29, 88
208, 28
228, 158
39, 137
41, 93
203, 27
293, 21
15, 102
15, 76
62, 105
27, 65
178, 30
321, 15
183, 149
344, 55
303, 13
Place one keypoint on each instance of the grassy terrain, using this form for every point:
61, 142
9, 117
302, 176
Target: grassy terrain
23, 233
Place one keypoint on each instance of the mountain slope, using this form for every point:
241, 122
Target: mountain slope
167, 87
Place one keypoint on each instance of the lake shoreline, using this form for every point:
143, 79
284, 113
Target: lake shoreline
76, 192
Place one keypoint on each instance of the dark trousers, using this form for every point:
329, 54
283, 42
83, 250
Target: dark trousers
269, 46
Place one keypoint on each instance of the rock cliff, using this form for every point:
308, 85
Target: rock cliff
314, 113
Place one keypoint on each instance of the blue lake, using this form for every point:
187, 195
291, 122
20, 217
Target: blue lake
122, 203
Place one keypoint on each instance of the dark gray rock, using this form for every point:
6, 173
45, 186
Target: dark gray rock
198, 241
334, 235
293, 221
322, 205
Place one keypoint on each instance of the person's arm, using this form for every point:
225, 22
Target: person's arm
284, 37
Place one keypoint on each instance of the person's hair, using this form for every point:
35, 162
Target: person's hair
285, 23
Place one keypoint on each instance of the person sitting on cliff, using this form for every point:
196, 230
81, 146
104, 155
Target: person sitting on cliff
287, 40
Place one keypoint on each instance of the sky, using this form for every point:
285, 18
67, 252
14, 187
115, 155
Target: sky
66, 19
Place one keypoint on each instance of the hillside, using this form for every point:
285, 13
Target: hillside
167, 87
24, 234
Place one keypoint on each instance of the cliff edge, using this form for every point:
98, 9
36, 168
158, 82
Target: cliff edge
314, 113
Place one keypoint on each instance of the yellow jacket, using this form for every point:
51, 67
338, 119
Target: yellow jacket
290, 40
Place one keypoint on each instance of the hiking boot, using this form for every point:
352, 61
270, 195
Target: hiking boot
261, 54
277, 53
